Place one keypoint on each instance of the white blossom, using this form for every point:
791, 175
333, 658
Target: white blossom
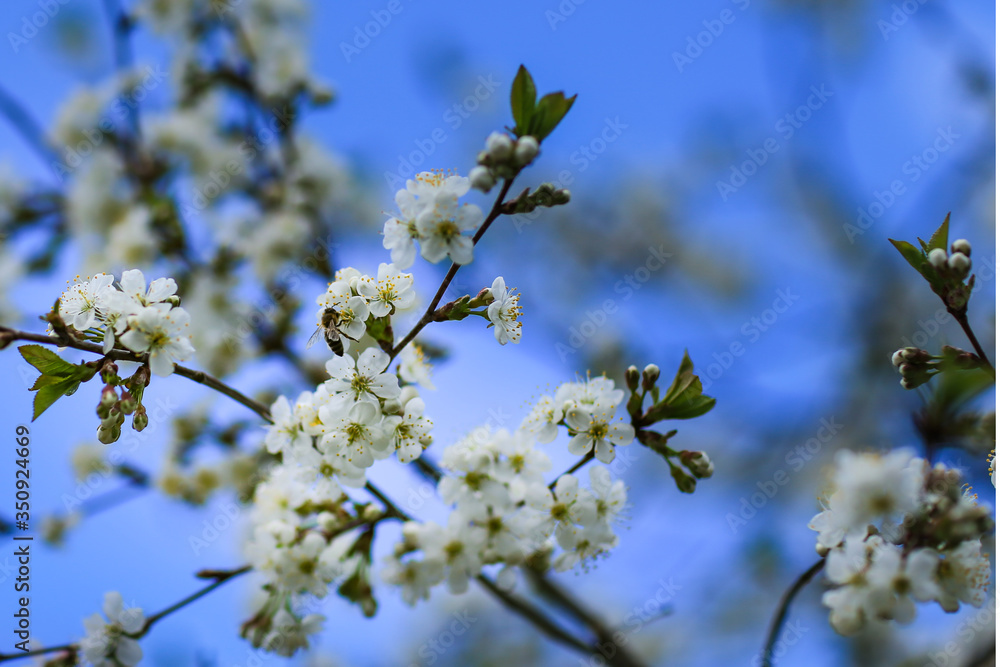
504, 312
81, 303
162, 333
364, 379
390, 292
105, 644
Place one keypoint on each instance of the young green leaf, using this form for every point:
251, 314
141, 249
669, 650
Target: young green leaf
939, 239
550, 111
50, 393
522, 100
46, 361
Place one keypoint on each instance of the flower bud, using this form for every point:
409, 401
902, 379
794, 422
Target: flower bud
960, 264
139, 419
897, 358
698, 463
962, 246
650, 374
108, 399
499, 146
128, 403
108, 434
526, 150
632, 378
371, 512
685, 483
937, 257
482, 179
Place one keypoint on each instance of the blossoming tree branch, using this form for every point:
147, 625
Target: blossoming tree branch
221, 279
311, 531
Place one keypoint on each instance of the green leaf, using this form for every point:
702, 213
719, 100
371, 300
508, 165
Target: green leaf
46, 361
550, 111
50, 393
939, 239
522, 100
46, 380
918, 260
683, 380
690, 409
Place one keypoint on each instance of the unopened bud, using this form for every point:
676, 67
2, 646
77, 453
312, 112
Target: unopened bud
650, 374
526, 150
482, 179
937, 257
499, 146
128, 403
108, 434
960, 263
962, 246
698, 463
139, 419
685, 483
108, 399
632, 378
371, 512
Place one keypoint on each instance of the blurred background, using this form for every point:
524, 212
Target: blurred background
762, 150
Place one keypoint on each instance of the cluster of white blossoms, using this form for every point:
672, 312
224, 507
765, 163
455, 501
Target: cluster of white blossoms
504, 512
140, 318
107, 643
587, 409
354, 296
896, 530
429, 212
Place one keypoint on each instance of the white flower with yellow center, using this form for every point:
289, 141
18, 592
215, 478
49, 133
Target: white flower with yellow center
81, 303
441, 227
505, 313
162, 332
391, 291
593, 432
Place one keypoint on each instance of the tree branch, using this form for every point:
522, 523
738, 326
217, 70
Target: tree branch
605, 635
963, 320
220, 576
27, 126
8, 336
782, 611
428, 315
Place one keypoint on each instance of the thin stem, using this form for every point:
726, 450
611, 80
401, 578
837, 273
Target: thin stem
4, 657
9, 335
559, 596
220, 576
963, 320
587, 458
534, 616
778, 621
428, 315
